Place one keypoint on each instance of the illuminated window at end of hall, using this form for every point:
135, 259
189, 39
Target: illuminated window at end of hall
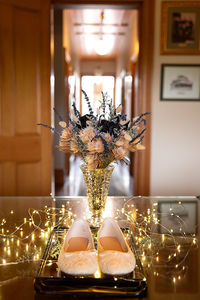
93, 86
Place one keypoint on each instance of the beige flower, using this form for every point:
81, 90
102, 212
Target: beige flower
96, 146
108, 137
121, 142
73, 147
63, 145
119, 109
66, 134
92, 161
63, 124
87, 134
119, 152
133, 147
127, 136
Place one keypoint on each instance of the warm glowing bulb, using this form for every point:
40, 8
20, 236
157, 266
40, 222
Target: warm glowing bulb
102, 46
97, 274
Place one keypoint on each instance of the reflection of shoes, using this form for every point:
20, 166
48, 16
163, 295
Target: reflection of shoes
115, 256
78, 255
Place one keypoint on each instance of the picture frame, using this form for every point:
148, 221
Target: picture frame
180, 27
186, 217
180, 82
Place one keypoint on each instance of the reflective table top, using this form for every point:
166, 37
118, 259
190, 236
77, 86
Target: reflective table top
165, 230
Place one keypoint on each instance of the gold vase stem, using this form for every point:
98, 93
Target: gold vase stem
97, 185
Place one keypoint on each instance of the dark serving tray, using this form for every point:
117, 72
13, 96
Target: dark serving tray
50, 280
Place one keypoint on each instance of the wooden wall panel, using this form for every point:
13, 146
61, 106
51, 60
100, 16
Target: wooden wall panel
28, 179
25, 148
8, 178
27, 64
20, 148
46, 135
1, 180
7, 77
35, 4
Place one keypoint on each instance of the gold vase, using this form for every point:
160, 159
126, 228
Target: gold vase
97, 184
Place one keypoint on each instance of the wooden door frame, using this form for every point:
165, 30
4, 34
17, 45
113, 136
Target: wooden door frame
145, 68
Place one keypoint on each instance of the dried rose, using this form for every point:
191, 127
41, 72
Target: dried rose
134, 146
140, 147
119, 109
63, 145
87, 134
66, 134
96, 146
121, 142
92, 161
127, 136
73, 147
63, 124
119, 152
108, 137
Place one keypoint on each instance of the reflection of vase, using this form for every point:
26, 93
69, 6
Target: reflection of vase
97, 184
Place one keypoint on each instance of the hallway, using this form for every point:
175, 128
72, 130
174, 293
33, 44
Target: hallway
95, 50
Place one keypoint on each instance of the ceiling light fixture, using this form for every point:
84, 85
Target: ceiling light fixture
102, 45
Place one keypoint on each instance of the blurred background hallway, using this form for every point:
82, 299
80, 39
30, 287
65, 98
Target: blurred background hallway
95, 50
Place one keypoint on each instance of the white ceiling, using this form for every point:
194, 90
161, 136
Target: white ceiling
82, 28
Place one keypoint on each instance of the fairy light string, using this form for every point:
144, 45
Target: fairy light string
157, 245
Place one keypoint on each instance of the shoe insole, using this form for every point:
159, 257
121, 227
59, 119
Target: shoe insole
77, 244
110, 243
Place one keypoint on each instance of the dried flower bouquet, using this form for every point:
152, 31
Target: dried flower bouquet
101, 138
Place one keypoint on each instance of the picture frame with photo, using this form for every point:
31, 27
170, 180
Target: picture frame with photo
180, 27
180, 82
174, 216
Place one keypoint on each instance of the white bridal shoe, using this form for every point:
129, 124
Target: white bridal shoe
78, 255
115, 256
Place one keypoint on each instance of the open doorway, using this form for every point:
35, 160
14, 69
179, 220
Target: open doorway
78, 29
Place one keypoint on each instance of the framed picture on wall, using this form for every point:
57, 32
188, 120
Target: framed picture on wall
180, 27
177, 218
180, 82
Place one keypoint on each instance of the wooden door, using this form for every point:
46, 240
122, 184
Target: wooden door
25, 148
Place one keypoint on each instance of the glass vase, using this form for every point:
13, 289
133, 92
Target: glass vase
97, 183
